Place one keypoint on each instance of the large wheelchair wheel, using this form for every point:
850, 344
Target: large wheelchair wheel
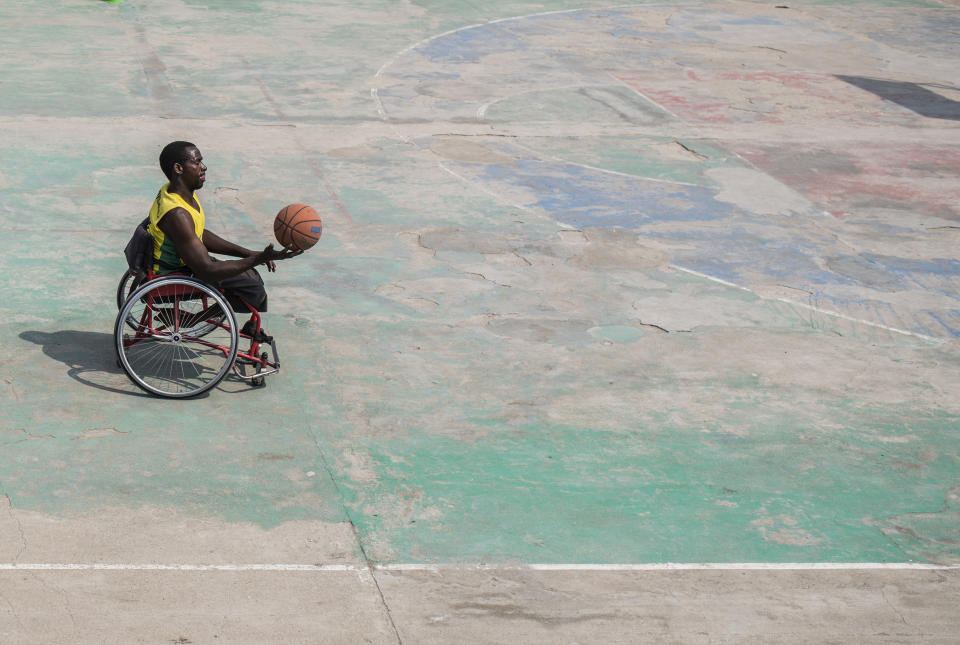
176, 337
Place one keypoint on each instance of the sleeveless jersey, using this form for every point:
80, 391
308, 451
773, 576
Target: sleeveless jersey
165, 256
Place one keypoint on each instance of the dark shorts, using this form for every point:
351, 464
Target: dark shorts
248, 286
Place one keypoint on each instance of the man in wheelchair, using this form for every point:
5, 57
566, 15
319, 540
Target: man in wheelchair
176, 332
182, 244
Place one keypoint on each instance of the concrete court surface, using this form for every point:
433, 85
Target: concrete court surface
629, 324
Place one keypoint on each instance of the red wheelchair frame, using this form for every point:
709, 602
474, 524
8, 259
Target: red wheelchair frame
156, 317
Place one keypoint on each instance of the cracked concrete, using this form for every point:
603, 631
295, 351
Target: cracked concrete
19, 538
598, 288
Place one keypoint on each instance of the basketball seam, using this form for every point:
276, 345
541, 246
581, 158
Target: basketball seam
298, 212
281, 219
287, 225
303, 235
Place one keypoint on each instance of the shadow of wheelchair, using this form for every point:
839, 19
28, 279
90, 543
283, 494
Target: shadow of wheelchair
90, 357
92, 360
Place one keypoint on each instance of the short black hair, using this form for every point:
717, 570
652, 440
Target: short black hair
172, 153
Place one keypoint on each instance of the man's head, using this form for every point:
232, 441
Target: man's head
182, 159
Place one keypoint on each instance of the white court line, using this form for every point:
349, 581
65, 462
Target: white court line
560, 567
376, 96
827, 312
403, 51
561, 160
680, 566
480, 187
482, 110
97, 566
644, 96
837, 314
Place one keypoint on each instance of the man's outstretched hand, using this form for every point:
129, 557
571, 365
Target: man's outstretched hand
269, 256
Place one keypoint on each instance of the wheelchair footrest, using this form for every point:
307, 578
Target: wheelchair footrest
263, 367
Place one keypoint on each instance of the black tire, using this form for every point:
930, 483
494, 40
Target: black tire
260, 381
128, 283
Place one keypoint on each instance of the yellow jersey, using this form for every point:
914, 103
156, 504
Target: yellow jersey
165, 256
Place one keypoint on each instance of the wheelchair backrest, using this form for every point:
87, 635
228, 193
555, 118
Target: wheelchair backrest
139, 250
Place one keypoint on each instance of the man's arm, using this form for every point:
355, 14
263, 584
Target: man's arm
216, 244
178, 226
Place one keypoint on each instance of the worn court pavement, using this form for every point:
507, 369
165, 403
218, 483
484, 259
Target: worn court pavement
599, 288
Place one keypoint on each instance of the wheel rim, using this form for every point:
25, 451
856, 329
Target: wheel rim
179, 345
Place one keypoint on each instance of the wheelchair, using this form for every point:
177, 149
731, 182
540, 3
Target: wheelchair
177, 336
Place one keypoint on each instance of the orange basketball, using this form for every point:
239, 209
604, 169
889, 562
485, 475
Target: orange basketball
297, 226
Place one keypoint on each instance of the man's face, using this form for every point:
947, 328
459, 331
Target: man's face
192, 169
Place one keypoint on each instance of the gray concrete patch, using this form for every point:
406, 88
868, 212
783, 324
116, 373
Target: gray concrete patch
123, 607
518, 606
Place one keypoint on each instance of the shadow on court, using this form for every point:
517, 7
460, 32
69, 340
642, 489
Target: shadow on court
912, 96
85, 352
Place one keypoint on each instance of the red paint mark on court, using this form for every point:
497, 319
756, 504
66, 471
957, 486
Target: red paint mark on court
760, 97
792, 79
851, 177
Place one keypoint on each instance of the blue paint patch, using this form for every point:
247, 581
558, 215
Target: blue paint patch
931, 36
657, 36
583, 197
927, 322
935, 275
315, 229
550, 23
421, 76
703, 21
948, 321
471, 45
735, 263
729, 243
945, 267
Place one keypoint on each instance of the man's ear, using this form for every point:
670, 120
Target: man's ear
178, 168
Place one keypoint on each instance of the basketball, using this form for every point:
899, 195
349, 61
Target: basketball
297, 226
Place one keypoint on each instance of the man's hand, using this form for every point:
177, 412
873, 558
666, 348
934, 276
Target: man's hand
269, 256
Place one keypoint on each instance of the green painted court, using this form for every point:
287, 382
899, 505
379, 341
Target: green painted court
628, 324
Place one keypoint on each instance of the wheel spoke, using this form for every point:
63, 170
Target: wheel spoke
198, 343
